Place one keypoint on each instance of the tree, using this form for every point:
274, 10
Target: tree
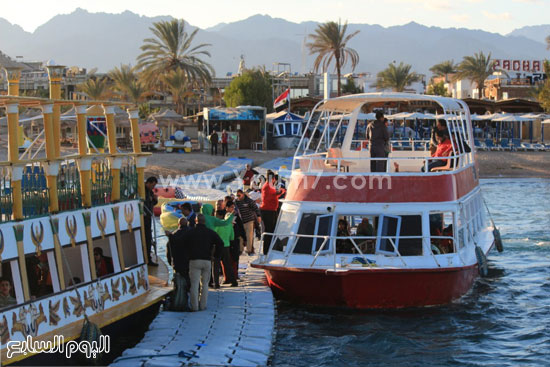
128, 84
437, 89
178, 85
330, 42
544, 92
476, 68
396, 78
350, 87
95, 88
548, 42
444, 69
252, 88
172, 49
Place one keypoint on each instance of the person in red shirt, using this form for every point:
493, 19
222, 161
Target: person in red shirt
269, 206
248, 175
225, 139
444, 149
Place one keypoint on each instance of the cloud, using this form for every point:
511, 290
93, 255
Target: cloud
497, 16
434, 5
528, 1
461, 18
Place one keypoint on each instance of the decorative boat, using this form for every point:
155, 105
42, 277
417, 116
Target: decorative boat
404, 237
56, 214
284, 130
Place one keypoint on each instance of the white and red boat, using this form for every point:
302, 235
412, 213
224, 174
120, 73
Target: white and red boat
350, 237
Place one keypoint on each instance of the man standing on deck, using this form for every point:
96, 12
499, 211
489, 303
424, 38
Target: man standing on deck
201, 243
378, 136
150, 202
249, 214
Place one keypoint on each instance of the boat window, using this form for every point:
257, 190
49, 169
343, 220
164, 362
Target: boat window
288, 128
388, 239
284, 227
323, 227
74, 255
296, 128
129, 248
280, 129
7, 289
103, 257
39, 273
304, 245
441, 232
411, 226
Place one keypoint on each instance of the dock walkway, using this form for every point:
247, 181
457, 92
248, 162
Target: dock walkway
236, 329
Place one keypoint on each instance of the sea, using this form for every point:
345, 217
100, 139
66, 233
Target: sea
503, 321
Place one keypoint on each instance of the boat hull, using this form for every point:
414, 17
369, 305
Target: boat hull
370, 288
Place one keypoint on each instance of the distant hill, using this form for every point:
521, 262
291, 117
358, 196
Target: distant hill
106, 40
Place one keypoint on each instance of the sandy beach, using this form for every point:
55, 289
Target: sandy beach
492, 164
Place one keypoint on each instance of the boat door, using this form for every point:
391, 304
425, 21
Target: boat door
387, 241
323, 227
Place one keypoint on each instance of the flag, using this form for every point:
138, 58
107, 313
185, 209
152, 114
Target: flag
282, 100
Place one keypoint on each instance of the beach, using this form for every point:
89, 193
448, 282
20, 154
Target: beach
491, 164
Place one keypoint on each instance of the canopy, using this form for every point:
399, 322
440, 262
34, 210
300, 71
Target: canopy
547, 121
284, 116
512, 118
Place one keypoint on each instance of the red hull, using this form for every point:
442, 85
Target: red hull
373, 288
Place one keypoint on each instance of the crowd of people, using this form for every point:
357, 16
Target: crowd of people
205, 249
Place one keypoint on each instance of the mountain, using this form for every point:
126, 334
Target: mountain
107, 40
536, 33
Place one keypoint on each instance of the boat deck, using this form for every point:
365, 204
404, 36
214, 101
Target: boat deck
236, 329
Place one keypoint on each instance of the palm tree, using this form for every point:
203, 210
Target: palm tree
95, 89
329, 41
396, 78
172, 49
178, 86
547, 42
476, 68
444, 69
128, 84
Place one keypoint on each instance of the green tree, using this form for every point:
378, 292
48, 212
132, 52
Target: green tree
396, 78
444, 69
172, 49
437, 89
330, 42
178, 86
128, 84
95, 88
477, 68
548, 42
350, 87
252, 88
544, 91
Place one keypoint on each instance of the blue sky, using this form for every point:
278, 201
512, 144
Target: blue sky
501, 16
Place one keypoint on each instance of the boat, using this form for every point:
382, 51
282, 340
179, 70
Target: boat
56, 212
284, 130
349, 237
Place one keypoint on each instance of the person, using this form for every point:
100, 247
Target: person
440, 125
201, 243
225, 140
5, 297
180, 262
365, 229
214, 143
343, 245
378, 136
444, 149
103, 264
237, 245
387, 147
227, 235
269, 206
187, 211
150, 201
248, 175
249, 215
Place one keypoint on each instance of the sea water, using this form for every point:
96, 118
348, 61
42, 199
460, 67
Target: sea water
503, 321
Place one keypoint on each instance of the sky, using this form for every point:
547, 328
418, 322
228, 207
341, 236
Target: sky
500, 16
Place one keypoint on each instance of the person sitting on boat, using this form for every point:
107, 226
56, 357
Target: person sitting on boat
365, 229
180, 261
444, 149
5, 293
343, 245
103, 264
248, 175
440, 125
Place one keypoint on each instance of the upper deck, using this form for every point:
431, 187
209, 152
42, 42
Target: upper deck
334, 148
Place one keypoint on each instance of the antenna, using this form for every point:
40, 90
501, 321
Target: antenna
303, 61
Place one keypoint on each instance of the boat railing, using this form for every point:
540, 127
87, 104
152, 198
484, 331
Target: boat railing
323, 162
360, 245
6, 202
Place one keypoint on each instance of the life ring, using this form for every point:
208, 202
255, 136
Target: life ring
498, 240
436, 250
481, 262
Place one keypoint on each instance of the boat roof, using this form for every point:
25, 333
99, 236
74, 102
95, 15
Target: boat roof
284, 116
352, 102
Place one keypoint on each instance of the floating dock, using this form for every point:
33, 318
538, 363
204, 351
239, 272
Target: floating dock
236, 329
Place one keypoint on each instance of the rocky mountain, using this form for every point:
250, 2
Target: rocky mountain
107, 40
536, 32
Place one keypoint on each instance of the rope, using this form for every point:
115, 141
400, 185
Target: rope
488, 211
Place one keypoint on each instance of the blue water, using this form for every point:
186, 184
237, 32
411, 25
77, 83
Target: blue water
503, 321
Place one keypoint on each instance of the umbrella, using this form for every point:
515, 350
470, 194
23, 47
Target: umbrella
512, 118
